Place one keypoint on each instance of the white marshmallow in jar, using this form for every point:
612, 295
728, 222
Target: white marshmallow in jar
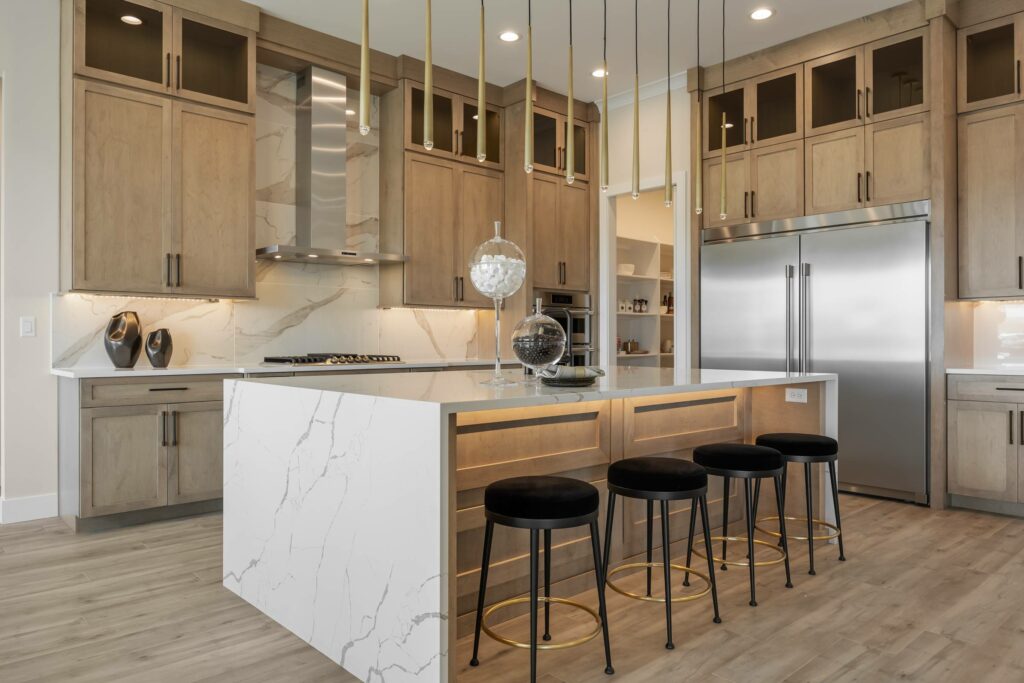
498, 267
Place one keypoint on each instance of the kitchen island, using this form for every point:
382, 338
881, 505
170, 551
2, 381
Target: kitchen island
353, 504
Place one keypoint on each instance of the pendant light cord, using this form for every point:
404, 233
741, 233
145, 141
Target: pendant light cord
570, 23
668, 44
636, 37
604, 53
723, 45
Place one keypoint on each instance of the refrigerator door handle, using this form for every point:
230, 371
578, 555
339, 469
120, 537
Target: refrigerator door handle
805, 276
789, 319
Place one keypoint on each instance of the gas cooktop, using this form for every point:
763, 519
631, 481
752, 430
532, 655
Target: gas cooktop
331, 359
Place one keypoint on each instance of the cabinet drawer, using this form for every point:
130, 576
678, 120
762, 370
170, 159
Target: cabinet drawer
144, 391
1003, 388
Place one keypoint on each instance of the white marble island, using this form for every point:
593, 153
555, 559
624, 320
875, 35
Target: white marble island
347, 499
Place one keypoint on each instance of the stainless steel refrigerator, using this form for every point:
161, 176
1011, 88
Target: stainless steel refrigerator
843, 293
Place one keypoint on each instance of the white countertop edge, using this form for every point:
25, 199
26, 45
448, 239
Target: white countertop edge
110, 372
986, 371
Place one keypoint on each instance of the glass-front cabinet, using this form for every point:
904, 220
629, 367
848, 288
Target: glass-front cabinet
761, 111
989, 63
732, 103
835, 92
456, 123
550, 136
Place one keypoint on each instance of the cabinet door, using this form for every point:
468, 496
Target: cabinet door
988, 63
737, 186
547, 141
733, 103
898, 161
834, 166
122, 205
431, 226
481, 202
214, 62
468, 134
834, 88
991, 205
982, 450
896, 76
215, 209
195, 456
776, 105
777, 181
547, 241
574, 219
445, 130
580, 156
123, 459
124, 42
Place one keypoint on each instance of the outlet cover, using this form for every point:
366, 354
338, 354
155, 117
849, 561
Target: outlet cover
796, 395
27, 326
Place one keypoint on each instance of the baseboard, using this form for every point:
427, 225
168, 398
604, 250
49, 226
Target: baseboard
27, 508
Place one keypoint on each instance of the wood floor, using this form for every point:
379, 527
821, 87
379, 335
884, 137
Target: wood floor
926, 596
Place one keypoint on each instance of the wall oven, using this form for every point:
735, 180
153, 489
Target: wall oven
573, 312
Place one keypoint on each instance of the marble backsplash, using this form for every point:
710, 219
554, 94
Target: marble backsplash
999, 334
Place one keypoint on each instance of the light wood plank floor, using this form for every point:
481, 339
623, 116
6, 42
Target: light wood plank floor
927, 596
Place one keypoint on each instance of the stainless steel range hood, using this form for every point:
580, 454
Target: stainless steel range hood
320, 177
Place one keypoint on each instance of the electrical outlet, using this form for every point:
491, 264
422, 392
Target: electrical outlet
27, 326
796, 395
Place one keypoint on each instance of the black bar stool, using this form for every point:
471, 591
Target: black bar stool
664, 480
541, 503
746, 462
807, 449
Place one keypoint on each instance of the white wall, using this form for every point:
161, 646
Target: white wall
29, 239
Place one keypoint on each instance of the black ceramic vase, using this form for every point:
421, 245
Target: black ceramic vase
159, 347
123, 340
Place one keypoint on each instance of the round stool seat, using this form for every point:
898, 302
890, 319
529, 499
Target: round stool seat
657, 474
738, 457
801, 447
541, 498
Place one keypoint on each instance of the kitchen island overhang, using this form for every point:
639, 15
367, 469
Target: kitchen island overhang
352, 504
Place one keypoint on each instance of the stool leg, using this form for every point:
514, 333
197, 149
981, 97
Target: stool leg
810, 515
750, 540
785, 474
689, 540
650, 542
488, 536
835, 504
665, 552
757, 498
547, 584
707, 549
782, 529
725, 519
534, 570
599, 575
608, 535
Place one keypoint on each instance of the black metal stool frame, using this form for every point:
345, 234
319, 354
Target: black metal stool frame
696, 496
536, 526
747, 476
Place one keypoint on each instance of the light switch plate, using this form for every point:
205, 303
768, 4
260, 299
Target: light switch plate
27, 326
796, 395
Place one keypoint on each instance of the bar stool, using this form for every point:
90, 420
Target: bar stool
541, 503
746, 462
664, 480
807, 449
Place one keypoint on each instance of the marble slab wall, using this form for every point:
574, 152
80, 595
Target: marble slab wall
999, 334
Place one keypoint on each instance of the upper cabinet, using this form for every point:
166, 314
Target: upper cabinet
456, 125
989, 63
153, 46
550, 138
763, 184
762, 111
835, 90
732, 104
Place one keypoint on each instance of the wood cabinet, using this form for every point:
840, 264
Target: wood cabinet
983, 450
550, 136
737, 195
835, 171
560, 215
991, 206
195, 460
988, 70
456, 122
835, 91
763, 184
761, 111
163, 197
167, 50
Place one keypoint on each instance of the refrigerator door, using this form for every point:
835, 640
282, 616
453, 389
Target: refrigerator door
748, 292
866, 320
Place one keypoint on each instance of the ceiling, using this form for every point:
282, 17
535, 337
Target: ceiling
396, 27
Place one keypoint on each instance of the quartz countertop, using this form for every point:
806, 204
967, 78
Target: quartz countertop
986, 371
106, 372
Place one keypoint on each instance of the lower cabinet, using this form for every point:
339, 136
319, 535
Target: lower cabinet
195, 460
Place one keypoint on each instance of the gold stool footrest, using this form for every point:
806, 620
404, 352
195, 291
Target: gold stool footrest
657, 565
835, 532
540, 646
744, 563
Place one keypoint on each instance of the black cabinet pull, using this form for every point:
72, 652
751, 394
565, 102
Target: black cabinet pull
746, 196
163, 428
460, 142
1011, 427
462, 288
1020, 272
867, 101
867, 186
169, 270
177, 270
174, 427
168, 69
168, 388
746, 121
859, 93
753, 131
1018, 76
753, 204
177, 61
859, 196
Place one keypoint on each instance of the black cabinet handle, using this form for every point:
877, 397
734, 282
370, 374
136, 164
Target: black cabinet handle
859, 196
169, 270
1020, 272
753, 131
460, 142
867, 186
168, 389
177, 270
867, 102
177, 61
746, 122
462, 288
163, 427
753, 204
174, 427
1018, 76
168, 69
746, 196
1011, 427
859, 94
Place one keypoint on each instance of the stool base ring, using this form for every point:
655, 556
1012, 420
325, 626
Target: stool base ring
540, 646
835, 532
657, 565
744, 563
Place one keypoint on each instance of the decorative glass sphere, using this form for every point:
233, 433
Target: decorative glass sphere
497, 268
538, 341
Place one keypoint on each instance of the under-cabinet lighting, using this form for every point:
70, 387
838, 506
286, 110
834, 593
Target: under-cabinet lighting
277, 256
313, 255
131, 20
350, 112
509, 36
762, 13
365, 260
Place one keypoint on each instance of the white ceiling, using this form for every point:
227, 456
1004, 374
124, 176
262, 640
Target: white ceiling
396, 27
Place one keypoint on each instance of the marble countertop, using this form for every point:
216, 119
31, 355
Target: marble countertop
462, 391
986, 371
105, 372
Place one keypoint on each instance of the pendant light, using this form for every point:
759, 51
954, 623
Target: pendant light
364, 73
699, 171
428, 86
723, 214
604, 106
668, 103
570, 119
636, 100
528, 109
481, 98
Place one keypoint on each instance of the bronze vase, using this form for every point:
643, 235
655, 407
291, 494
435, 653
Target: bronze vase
123, 339
159, 347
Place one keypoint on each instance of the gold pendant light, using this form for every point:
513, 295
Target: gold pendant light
428, 86
699, 171
636, 100
481, 98
723, 214
528, 123
364, 73
604, 106
570, 123
668, 104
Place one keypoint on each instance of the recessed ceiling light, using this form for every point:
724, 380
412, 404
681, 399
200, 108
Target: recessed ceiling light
598, 73
509, 36
131, 20
762, 13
